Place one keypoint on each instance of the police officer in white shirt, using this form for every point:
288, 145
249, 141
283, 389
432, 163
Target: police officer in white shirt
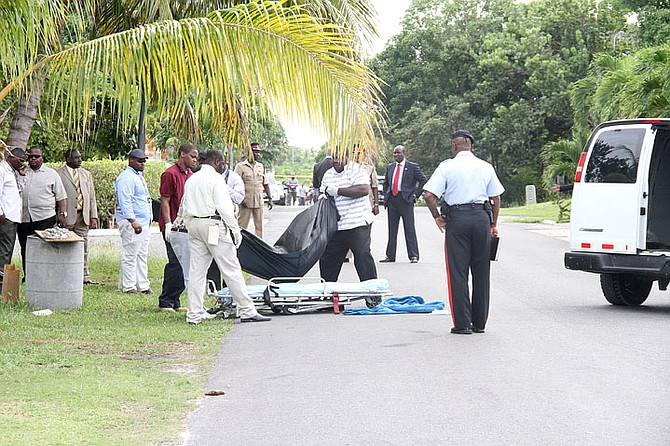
214, 233
469, 216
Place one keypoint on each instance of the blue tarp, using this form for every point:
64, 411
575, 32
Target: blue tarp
399, 305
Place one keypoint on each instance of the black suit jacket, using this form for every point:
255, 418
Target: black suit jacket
320, 169
413, 180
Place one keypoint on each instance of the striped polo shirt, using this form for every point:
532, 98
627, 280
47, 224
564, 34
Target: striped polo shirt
354, 212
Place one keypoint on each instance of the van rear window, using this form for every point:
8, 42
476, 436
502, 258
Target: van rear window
615, 156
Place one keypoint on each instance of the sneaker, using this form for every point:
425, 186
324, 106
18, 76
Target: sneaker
147, 291
166, 310
130, 291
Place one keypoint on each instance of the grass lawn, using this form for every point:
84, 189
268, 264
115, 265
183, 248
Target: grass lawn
115, 372
549, 210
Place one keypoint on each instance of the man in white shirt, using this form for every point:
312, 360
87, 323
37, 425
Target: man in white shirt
10, 209
349, 184
214, 233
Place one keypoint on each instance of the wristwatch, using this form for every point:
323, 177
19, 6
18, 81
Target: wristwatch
64, 214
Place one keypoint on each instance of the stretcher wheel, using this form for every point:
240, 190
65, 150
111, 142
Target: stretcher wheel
290, 309
373, 301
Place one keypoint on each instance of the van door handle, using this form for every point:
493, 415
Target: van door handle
643, 211
644, 195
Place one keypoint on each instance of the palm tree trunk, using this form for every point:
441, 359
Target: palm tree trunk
25, 114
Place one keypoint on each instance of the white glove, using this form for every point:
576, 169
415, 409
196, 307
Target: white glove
237, 237
332, 191
168, 231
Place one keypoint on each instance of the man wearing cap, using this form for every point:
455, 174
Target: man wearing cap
255, 182
214, 234
10, 206
403, 183
133, 216
82, 210
171, 191
469, 216
42, 195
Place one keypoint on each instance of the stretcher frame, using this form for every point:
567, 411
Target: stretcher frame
282, 302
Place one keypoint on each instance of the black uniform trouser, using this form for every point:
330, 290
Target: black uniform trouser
356, 239
397, 208
173, 280
29, 228
467, 250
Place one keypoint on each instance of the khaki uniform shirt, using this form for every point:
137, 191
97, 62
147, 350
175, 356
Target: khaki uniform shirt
254, 178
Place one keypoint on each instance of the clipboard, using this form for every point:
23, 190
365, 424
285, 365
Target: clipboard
495, 248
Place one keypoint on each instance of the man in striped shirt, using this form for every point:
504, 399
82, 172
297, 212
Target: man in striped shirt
349, 185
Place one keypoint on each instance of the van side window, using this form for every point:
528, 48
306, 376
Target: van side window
615, 156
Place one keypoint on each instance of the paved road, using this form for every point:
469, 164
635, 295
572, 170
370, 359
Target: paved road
557, 364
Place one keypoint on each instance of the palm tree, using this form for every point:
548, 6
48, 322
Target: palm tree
300, 61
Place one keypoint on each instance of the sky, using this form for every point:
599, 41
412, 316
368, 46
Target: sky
390, 14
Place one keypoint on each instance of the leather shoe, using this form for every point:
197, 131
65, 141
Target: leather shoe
414, 260
386, 260
147, 291
130, 291
256, 318
461, 330
477, 330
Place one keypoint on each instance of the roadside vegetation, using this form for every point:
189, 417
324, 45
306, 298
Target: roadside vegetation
115, 372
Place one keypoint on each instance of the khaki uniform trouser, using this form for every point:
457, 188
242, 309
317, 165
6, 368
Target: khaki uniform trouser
246, 214
225, 256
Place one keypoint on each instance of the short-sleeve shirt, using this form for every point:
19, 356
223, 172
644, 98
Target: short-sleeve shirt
354, 212
172, 185
464, 179
42, 190
253, 176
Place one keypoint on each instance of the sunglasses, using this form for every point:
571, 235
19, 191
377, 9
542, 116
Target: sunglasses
34, 156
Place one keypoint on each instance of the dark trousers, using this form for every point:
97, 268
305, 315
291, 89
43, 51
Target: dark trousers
397, 208
29, 228
7, 241
173, 280
467, 250
356, 239
214, 275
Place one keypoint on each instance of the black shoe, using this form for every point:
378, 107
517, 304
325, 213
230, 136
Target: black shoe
477, 330
257, 318
461, 330
414, 260
386, 260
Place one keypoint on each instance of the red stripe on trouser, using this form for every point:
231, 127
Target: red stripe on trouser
446, 261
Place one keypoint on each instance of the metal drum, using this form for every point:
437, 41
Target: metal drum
54, 274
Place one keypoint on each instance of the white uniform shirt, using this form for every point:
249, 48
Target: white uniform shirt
464, 179
205, 194
10, 199
354, 212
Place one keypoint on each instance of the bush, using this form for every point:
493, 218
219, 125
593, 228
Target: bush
104, 173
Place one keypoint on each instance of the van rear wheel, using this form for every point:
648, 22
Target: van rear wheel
625, 289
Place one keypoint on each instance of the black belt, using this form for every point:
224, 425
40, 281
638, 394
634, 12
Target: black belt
180, 230
213, 217
465, 206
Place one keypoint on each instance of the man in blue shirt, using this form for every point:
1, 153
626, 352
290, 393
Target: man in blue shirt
133, 216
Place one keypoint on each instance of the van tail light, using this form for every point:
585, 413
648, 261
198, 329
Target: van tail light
653, 121
580, 167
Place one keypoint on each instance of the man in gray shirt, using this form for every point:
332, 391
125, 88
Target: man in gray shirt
42, 195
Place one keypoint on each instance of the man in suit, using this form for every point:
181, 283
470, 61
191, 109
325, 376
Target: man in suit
320, 169
81, 210
403, 183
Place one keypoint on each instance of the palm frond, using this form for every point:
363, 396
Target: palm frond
240, 58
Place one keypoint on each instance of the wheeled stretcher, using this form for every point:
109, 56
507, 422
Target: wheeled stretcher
291, 295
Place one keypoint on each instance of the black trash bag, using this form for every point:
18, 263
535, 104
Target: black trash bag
297, 250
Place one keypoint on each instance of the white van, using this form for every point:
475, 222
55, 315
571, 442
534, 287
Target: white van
620, 218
